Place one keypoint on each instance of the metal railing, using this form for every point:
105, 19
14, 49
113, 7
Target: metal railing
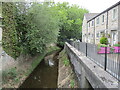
110, 62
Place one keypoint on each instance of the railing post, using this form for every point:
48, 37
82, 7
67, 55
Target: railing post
86, 49
105, 58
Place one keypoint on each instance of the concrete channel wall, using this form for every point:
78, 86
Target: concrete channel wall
88, 73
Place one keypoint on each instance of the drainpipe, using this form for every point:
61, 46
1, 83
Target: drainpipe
0, 57
87, 33
119, 41
107, 23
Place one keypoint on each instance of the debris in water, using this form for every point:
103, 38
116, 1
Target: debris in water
35, 78
51, 62
39, 80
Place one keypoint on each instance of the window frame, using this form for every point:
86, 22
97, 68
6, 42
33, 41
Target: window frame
92, 23
103, 18
114, 13
97, 21
89, 24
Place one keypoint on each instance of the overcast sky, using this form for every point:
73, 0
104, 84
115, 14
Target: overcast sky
94, 6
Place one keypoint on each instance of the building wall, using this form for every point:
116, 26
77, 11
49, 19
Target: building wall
101, 27
90, 32
113, 22
113, 25
84, 30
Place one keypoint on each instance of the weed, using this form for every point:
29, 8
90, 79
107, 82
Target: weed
72, 84
12, 72
17, 79
66, 62
9, 74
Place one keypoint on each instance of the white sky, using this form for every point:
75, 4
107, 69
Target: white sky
94, 6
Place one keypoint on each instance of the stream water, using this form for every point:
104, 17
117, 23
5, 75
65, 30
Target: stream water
44, 75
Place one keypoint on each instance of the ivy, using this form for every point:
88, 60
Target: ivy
10, 39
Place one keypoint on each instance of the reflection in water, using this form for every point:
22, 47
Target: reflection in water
44, 76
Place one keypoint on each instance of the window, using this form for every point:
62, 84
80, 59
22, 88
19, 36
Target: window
114, 13
98, 20
89, 24
92, 23
97, 35
102, 18
102, 34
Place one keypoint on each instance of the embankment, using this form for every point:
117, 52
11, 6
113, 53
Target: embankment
66, 77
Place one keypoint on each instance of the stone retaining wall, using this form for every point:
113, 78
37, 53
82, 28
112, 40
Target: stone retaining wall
88, 73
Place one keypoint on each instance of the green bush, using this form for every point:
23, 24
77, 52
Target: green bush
117, 45
101, 45
104, 40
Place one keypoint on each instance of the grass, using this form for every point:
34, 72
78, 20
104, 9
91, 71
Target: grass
17, 79
10, 74
66, 62
72, 84
64, 58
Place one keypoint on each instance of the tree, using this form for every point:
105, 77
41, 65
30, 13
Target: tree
30, 27
70, 21
43, 27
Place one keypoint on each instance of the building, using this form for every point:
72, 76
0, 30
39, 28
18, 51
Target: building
85, 27
106, 23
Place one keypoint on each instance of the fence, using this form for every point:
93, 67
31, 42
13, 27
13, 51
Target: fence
110, 61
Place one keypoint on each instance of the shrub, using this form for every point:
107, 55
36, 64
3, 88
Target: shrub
117, 45
104, 40
101, 45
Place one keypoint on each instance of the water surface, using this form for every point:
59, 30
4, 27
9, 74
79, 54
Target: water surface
44, 76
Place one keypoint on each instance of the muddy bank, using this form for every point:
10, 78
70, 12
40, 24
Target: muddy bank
66, 77
16, 75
